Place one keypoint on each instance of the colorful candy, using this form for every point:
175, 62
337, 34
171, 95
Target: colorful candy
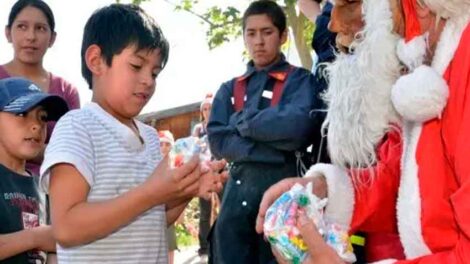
280, 226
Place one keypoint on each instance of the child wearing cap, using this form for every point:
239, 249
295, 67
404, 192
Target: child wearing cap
24, 111
112, 194
166, 142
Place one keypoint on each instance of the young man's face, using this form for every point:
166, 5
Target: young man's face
22, 136
263, 40
125, 87
30, 35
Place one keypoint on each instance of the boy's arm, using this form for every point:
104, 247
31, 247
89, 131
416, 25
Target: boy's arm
175, 209
224, 139
78, 222
288, 125
18, 242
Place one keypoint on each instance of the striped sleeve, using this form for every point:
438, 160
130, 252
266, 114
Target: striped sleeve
72, 144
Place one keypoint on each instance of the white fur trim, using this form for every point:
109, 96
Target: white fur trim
340, 206
421, 95
358, 96
409, 196
409, 199
448, 42
385, 261
412, 53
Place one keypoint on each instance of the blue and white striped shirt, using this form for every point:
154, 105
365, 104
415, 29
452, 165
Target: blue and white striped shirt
112, 160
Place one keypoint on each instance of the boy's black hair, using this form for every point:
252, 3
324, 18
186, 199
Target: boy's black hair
39, 4
115, 27
269, 8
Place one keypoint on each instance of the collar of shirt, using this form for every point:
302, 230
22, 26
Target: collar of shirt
122, 132
281, 65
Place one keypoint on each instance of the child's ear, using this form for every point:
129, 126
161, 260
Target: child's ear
93, 59
284, 37
8, 34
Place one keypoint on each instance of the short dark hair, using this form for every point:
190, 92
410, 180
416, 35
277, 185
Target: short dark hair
269, 8
117, 26
39, 4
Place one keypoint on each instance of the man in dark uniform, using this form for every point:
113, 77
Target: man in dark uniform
258, 122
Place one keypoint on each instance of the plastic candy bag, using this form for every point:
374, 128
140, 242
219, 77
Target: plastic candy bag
280, 226
185, 148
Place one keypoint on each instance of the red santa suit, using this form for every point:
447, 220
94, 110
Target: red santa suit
429, 200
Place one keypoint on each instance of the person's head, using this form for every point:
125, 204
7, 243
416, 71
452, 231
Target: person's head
30, 29
360, 109
24, 111
123, 51
166, 141
346, 21
264, 32
206, 107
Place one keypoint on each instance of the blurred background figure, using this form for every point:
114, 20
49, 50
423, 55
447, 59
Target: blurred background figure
205, 207
166, 143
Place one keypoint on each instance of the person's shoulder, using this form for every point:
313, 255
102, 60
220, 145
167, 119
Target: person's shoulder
76, 117
146, 128
300, 72
4, 171
147, 131
3, 72
61, 84
229, 83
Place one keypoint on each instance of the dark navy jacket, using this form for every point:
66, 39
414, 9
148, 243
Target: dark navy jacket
323, 41
261, 133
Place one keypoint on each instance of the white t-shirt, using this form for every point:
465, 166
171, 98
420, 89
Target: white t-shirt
112, 160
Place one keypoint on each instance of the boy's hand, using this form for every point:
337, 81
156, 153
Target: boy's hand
319, 252
212, 179
181, 182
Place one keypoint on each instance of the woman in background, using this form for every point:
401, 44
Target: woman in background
31, 31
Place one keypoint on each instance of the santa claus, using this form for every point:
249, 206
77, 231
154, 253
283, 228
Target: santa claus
433, 182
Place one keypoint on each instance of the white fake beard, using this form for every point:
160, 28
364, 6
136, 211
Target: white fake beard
360, 110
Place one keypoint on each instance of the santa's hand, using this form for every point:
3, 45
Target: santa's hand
319, 252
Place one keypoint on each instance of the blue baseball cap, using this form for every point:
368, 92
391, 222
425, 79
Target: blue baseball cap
20, 95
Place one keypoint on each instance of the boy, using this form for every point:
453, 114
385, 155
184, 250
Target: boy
24, 112
258, 123
110, 202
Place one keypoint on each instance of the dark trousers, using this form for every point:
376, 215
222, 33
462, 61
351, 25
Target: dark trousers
204, 225
234, 238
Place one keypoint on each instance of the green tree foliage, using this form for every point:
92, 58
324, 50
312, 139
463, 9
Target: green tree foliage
224, 24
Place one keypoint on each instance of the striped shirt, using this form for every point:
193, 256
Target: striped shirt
112, 160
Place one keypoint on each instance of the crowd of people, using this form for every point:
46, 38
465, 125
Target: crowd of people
378, 127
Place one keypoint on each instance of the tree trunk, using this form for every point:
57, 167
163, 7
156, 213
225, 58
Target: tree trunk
296, 23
